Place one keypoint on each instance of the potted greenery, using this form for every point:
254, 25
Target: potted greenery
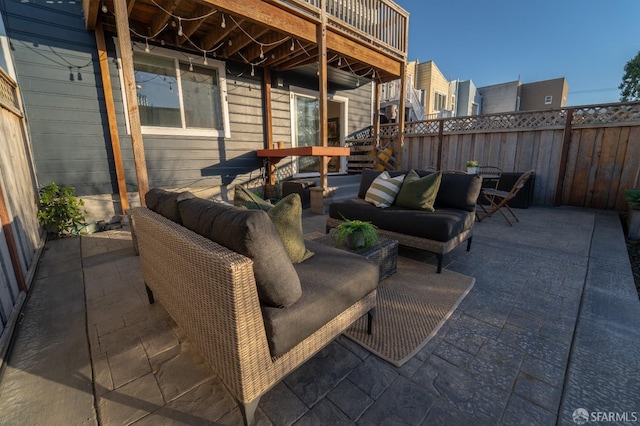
358, 234
60, 211
472, 167
633, 220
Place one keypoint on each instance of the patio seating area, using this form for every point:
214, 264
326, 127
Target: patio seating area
551, 325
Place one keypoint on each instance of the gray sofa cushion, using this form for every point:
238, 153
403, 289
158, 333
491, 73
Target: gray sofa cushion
332, 280
252, 234
165, 203
458, 191
441, 225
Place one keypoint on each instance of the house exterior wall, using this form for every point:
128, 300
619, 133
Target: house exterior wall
500, 97
468, 99
533, 96
57, 68
430, 78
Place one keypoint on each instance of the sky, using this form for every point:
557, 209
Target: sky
497, 41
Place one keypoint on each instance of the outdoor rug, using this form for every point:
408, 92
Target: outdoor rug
412, 306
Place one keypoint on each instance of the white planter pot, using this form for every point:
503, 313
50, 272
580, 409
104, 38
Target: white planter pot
472, 170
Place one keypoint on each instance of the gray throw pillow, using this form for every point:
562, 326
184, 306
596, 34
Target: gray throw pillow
252, 234
242, 197
165, 203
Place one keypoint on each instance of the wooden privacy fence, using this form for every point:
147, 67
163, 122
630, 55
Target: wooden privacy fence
20, 236
585, 156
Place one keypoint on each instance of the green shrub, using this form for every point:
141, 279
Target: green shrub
60, 211
633, 196
359, 234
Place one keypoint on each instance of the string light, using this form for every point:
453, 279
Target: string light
146, 46
190, 65
261, 52
339, 62
104, 8
253, 72
205, 62
180, 32
223, 24
292, 45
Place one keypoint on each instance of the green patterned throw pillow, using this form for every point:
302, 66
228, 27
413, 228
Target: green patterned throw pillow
242, 197
383, 190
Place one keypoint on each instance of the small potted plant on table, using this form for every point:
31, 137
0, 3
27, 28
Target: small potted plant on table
472, 167
358, 234
633, 220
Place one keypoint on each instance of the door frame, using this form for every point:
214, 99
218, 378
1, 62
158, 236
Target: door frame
342, 101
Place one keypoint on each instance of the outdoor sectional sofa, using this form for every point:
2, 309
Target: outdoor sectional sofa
439, 231
224, 276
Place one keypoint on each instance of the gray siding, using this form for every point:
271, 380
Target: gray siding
59, 78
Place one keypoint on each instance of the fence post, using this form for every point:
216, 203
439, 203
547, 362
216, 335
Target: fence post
566, 141
440, 143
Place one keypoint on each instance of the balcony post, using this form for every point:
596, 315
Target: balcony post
126, 52
322, 89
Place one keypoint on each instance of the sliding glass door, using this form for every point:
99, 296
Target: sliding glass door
305, 128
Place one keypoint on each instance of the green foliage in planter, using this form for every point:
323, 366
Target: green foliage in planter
353, 228
472, 163
60, 211
633, 196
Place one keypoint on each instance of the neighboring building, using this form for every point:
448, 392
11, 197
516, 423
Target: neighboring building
465, 98
503, 97
429, 78
516, 96
544, 94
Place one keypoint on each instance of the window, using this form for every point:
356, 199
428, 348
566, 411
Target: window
440, 101
180, 97
548, 100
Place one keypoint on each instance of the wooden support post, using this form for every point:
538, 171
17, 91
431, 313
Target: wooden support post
566, 142
376, 123
440, 142
126, 54
401, 117
323, 87
111, 116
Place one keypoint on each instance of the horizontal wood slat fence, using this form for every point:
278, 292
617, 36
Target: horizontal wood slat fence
585, 156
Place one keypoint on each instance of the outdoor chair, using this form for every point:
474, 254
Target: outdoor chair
498, 199
490, 176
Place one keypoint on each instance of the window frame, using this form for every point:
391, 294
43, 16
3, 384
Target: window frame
182, 58
443, 105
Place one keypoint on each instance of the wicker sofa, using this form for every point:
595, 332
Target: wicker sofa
439, 232
217, 295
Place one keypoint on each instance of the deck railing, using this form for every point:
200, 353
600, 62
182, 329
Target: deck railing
381, 23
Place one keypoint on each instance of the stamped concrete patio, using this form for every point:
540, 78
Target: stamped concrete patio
551, 325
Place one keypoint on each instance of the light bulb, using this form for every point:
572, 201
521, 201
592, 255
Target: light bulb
339, 62
190, 65
261, 52
146, 46
253, 73
104, 8
180, 33
230, 42
206, 62
223, 24
292, 46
